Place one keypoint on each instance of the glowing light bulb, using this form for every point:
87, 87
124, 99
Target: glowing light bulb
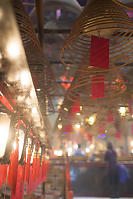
60, 126
65, 109
87, 150
77, 126
91, 120
78, 114
122, 111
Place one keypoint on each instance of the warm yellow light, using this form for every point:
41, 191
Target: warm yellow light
92, 146
81, 108
122, 111
91, 120
4, 132
87, 150
65, 109
77, 114
58, 152
132, 151
77, 126
24, 78
131, 143
13, 48
60, 126
34, 110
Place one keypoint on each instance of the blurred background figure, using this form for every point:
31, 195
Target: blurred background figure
113, 171
78, 151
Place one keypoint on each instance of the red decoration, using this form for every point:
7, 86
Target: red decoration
90, 138
12, 176
6, 103
98, 87
99, 52
64, 79
76, 106
19, 194
1, 172
117, 134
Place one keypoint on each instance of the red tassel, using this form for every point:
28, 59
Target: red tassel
38, 168
6, 103
34, 169
12, 177
99, 52
4, 173
1, 175
19, 194
27, 175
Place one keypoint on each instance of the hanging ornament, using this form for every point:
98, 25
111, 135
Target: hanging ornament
106, 20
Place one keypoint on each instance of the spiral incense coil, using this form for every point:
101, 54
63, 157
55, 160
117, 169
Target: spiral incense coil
81, 87
34, 53
104, 19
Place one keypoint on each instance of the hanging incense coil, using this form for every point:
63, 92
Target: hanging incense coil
81, 87
38, 64
105, 19
34, 53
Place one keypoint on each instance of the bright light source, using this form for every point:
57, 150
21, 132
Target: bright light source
13, 49
59, 126
75, 146
92, 146
70, 150
122, 111
65, 109
58, 152
25, 78
4, 131
91, 120
77, 126
87, 150
34, 110
132, 151
78, 114
81, 108
131, 143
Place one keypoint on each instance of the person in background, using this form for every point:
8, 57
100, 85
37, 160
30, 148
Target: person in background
113, 171
79, 152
